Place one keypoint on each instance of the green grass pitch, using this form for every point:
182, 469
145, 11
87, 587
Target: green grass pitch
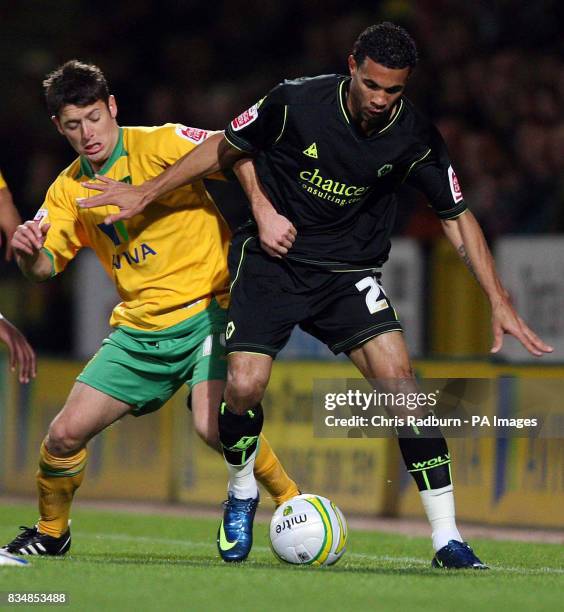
126, 561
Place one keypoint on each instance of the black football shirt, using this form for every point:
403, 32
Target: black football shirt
335, 184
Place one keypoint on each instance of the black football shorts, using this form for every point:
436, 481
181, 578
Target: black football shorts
270, 296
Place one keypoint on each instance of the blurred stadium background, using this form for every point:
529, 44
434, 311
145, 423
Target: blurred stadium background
491, 76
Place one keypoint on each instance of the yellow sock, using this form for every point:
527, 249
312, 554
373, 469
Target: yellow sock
272, 476
57, 480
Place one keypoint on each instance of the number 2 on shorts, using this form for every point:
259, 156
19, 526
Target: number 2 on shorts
373, 303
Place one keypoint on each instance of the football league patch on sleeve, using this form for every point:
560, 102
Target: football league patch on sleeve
454, 186
41, 214
195, 135
245, 118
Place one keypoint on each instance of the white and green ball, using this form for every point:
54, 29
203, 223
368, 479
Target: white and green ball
308, 530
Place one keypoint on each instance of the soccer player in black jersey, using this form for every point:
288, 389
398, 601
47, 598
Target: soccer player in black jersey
330, 153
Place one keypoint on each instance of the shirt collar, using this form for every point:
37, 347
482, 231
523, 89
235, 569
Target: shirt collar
119, 151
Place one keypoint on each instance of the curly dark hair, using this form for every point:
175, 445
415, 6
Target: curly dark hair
74, 83
387, 44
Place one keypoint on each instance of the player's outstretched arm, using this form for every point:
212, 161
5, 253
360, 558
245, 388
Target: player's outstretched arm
276, 233
22, 356
212, 155
466, 236
9, 220
27, 243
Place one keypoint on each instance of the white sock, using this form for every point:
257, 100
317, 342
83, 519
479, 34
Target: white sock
439, 508
242, 483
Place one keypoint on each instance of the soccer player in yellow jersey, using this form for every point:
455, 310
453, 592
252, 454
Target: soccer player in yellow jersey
22, 355
9, 217
170, 269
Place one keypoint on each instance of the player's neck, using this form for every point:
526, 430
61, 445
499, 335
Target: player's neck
369, 127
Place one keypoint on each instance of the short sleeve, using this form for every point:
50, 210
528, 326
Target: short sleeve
175, 140
2, 182
261, 125
172, 141
431, 172
66, 236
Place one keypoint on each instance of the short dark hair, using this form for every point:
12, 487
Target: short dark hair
387, 44
74, 83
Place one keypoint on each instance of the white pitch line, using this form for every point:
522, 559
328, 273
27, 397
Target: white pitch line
367, 557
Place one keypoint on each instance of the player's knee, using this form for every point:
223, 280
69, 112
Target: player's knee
61, 442
397, 379
403, 372
397, 373
244, 392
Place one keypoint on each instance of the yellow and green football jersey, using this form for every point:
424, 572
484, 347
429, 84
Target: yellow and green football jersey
168, 262
2, 182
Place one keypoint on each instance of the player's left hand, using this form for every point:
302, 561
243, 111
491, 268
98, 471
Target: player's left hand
130, 199
22, 355
505, 320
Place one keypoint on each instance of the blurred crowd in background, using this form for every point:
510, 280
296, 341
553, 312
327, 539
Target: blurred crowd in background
491, 76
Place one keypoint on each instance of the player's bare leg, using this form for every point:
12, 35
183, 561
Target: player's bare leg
385, 359
247, 378
62, 460
86, 412
240, 425
240, 418
205, 400
384, 356
63, 454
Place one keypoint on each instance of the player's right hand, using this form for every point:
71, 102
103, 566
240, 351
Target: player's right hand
29, 239
505, 320
276, 234
22, 355
130, 199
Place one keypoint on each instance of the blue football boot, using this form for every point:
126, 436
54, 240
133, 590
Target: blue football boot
235, 534
457, 555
